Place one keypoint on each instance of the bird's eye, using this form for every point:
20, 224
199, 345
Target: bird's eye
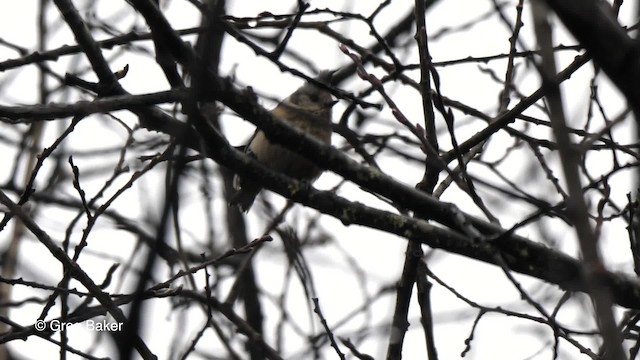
313, 97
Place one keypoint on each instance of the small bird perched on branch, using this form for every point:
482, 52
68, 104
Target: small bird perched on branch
309, 110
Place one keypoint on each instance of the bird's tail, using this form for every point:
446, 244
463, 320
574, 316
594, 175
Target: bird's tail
244, 198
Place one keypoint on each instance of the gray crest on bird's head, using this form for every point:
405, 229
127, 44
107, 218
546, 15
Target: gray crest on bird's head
313, 98
326, 76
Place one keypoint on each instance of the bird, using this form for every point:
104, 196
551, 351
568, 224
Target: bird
309, 109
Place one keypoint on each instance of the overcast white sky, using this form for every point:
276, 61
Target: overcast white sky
380, 254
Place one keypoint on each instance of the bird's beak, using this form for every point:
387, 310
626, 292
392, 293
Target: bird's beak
331, 103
